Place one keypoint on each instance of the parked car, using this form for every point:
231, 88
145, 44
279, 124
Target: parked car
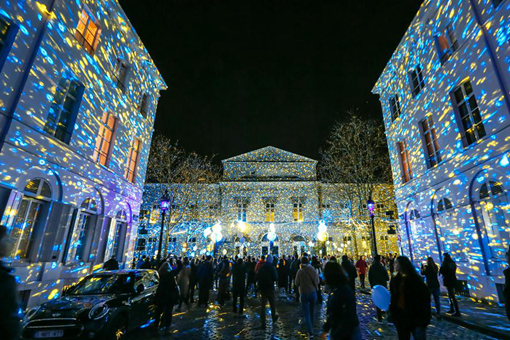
105, 305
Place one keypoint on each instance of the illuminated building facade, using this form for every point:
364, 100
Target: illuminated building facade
268, 201
77, 105
445, 99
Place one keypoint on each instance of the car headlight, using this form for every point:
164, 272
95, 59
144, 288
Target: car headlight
98, 311
31, 312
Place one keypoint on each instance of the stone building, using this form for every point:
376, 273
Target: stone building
268, 201
77, 105
445, 99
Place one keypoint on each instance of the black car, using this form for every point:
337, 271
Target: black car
105, 305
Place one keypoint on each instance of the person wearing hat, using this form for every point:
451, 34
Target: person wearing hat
266, 277
9, 319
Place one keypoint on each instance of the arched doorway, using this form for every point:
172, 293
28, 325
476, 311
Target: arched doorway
298, 244
37, 197
241, 245
269, 246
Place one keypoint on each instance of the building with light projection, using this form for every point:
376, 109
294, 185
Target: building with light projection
446, 105
77, 105
268, 201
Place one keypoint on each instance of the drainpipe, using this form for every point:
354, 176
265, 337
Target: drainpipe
30, 63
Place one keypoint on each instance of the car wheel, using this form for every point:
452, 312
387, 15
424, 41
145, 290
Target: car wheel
119, 328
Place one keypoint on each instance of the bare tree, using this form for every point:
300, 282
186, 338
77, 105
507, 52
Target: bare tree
184, 177
354, 162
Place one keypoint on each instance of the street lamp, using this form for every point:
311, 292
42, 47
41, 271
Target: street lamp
271, 236
371, 210
164, 202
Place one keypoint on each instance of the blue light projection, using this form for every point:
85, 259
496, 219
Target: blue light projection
461, 205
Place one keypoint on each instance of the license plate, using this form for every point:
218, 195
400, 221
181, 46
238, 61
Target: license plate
49, 334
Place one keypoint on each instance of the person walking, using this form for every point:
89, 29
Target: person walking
146, 264
9, 317
506, 291
250, 269
238, 285
378, 276
361, 265
342, 321
111, 264
205, 277
431, 272
351, 272
391, 263
193, 280
316, 264
266, 277
410, 301
183, 280
223, 272
140, 262
294, 267
167, 295
283, 275
449, 271
307, 281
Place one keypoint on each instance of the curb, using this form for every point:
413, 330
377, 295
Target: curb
464, 323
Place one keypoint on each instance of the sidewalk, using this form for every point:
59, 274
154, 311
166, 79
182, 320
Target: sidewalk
487, 319
484, 318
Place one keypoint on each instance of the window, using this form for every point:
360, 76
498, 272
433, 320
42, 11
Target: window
446, 43
120, 73
88, 32
496, 3
416, 80
469, 113
4, 30
242, 208
298, 211
132, 164
270, 212
430, 140
82, 234
443, 205
64, 109
7, 34
154, 216
405, 164
24, 228
395, 107
105, 138
144, 105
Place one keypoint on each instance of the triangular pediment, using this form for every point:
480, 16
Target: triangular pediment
269, 154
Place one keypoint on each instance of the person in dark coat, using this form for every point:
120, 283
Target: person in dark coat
167, 295
410, 301
266, 277
250, 269
111, 264
283, 275
449, 271
223, 273
506, 291
146, 264
238, 285
342, 318
378, 276
294, 267
351, 271
430, 271
9, 318
205, 276
193, 280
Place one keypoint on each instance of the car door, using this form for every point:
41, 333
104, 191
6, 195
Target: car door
141, 302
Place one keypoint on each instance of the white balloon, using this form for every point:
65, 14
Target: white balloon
381, 297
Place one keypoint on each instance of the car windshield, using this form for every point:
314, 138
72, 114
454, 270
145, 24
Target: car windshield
103, 284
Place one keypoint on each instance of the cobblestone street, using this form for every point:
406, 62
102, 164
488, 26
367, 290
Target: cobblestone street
217, 322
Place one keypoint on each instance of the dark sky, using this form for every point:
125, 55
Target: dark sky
244, 74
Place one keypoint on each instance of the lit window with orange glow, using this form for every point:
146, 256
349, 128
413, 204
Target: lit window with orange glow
104, 139
88, 32
132, 164
407, 173
270, 210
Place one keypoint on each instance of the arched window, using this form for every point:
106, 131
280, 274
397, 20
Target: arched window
494, 203
444, 204
37, 194
81, 236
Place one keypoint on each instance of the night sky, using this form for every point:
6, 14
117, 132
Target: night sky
247, 74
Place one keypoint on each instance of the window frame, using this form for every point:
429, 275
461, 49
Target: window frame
405, 162
270, 211
143, 106
130, 174
104, 127
10, 36
80, 36
465, 133
395, 107
429, 138
121, 78
298, 210
416, 73
242, 211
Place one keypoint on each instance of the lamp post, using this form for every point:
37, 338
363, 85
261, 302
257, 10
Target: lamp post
164, 202
371, 210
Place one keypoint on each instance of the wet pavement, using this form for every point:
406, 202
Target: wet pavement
217, 322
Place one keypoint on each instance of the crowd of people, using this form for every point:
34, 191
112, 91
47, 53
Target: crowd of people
308, 279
